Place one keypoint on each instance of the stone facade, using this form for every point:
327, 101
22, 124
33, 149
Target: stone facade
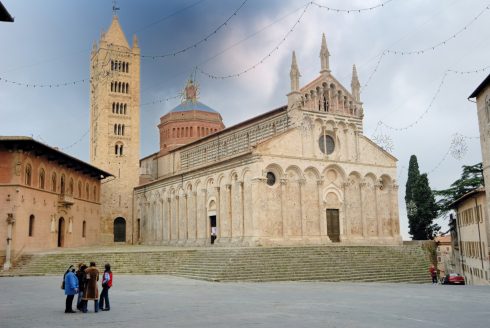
47, 199
114, 127
300, 174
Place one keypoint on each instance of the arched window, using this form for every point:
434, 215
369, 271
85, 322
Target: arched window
112, 86
87, 191
95, 193
116, 149
79, 189
84, 229
125, 107
119, 66
31, 225
62, 184
70, 187
122, 130
120, 150
127, 87
115, 128
42, 176
119, 87
112, 65
53, 182
113, 107
28, 175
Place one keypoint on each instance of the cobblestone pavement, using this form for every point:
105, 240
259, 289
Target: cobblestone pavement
163, 301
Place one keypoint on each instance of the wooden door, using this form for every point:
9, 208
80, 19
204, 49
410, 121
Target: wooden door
333, 225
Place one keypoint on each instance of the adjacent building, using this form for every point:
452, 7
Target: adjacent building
470, 237
303, 173
48, 199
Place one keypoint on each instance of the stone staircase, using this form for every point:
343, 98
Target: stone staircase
301, 263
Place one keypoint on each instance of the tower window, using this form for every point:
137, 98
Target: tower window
53, 182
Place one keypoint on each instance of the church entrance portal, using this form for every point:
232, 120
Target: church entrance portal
212, 222
333, 225
61, 232
119, 230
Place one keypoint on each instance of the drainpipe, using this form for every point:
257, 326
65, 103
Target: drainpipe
479, 235
460, 244
10, 222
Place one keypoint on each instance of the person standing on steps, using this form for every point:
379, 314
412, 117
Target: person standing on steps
91, 291
71, 288
433, 273
106, 284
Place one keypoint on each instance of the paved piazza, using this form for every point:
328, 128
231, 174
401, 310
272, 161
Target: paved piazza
163, 301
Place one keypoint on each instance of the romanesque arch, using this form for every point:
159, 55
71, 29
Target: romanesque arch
353, 204
120, 229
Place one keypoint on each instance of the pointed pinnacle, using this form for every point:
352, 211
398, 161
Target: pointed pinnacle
293, 62
354, 73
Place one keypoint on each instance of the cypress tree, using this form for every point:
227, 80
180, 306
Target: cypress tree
422, 226
413, 176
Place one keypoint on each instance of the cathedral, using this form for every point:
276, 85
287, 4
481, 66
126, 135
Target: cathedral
303, 173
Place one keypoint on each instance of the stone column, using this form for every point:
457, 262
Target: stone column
395, 222
379, 224
283, 206
322, 224
241, 205
348, 228
177, 216
218, 214
346, 144
356, 141
229, 219
194, 195
10, 223
301, 183
362, 185
186, 217
206, 230
169, 219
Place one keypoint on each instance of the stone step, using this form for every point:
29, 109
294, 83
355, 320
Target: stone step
308, 263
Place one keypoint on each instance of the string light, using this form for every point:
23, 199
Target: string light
351, 11
159, 101
424, 50
205, 39
291, 30
439, 88
261, 61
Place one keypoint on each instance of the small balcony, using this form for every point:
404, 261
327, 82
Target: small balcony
65, 200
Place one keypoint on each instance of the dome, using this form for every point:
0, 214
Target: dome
190, 105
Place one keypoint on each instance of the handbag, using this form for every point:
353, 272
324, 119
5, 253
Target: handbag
63, 284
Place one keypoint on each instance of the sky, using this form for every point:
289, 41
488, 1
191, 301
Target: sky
417, 61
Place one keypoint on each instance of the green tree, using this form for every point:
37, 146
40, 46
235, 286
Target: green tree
421, 225
413, 176
471, 178
420, 203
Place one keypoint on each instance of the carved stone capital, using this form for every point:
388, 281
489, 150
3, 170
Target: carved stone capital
283, 181
319, 182
301, 182
194, 193
228, 186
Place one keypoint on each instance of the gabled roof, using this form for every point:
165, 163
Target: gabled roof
115, 34
40, 149
467, 195
480, 87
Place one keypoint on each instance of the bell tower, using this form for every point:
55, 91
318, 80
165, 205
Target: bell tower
114, 127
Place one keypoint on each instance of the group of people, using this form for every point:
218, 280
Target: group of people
84, 283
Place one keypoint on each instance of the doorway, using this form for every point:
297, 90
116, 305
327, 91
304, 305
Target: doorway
212, 222
119, 230
61, 232
333, 225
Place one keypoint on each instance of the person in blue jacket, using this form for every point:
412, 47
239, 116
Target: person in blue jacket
71, 288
